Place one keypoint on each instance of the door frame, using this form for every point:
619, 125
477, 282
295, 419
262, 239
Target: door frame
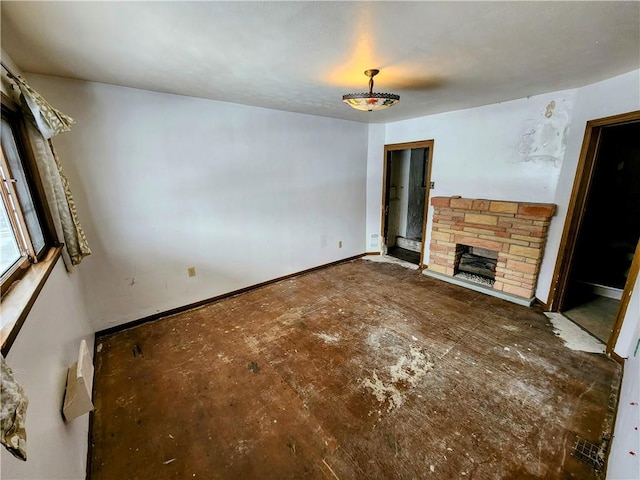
585, 171
407, 146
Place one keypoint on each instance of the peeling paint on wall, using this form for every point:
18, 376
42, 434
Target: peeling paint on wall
544, 137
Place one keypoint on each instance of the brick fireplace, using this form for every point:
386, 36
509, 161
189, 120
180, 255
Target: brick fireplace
516, 231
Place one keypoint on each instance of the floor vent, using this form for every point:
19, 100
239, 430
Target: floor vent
589, 453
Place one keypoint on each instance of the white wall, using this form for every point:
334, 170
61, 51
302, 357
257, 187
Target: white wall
45, 347
375, 171
611, 97
491, 151
166, 182
626, 436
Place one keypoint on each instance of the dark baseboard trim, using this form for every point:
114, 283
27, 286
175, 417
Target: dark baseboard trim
91, 416
373, 253
174, 311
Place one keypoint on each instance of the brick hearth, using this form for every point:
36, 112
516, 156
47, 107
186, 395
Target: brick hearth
516, 230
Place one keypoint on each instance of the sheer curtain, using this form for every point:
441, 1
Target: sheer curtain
46, 122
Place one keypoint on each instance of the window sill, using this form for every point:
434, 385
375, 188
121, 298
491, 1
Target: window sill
17, 302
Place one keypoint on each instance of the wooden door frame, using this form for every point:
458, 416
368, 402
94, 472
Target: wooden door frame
408, 146
632, 278
575, 217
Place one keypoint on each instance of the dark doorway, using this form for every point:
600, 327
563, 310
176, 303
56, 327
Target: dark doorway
406, 186
606, 239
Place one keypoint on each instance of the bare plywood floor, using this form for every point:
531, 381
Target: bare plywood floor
361, 370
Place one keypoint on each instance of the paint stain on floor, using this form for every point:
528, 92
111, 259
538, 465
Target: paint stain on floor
361, 370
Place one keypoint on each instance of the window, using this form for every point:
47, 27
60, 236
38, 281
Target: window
26, 243
22, 222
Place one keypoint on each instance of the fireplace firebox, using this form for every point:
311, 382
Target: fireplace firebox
475, 264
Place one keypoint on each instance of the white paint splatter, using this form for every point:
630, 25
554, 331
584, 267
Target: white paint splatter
411, 369
243, 447
382, 392
526, 393
573, 336
511, 328
388, 259
328, 338
408, 370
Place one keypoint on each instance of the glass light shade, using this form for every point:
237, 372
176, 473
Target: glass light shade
371, 101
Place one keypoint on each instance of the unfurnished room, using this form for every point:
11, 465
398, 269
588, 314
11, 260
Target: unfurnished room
320, 240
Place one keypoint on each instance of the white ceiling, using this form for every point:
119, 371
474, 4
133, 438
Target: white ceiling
303, 56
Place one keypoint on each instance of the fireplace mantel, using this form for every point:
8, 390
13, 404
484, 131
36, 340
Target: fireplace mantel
516, 230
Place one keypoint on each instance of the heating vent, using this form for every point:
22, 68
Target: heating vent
77, 398
589, 453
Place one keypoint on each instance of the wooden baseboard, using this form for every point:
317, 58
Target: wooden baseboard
184, 308
373, 253
617, 357
545, 306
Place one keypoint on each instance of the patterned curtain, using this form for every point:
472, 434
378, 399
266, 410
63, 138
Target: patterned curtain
47, 119
13, 413
46, 122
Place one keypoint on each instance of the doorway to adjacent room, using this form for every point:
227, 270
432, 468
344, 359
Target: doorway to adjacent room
406, 184
602, 230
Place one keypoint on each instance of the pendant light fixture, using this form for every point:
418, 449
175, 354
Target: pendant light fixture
371, 101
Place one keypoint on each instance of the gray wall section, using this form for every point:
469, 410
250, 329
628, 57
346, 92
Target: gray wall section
396, 203
415, 213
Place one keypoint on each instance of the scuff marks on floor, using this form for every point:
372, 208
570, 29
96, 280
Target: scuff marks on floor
363, 370
328, 338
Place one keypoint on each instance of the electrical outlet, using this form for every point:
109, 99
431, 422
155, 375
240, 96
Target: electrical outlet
191, 271
340, 244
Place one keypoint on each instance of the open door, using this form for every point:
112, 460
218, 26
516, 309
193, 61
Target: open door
598, 254
405, 199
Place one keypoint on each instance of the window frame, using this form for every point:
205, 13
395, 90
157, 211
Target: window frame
17, 297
